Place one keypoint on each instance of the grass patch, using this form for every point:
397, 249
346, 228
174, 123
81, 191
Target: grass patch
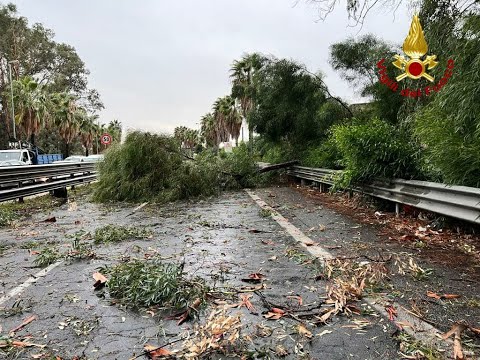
146, 283
46, 256
29, 245
7, 216
78, 250
114, 234
3, 248
264, 213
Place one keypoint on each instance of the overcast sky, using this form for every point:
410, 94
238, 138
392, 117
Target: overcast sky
158, 64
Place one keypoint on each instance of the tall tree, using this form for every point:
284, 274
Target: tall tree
87, 131
114, 128
228, 118
356, 60
31, 107
208, 130
55, 66
448, 127
221, 112
242, 74
67, 118
287, 100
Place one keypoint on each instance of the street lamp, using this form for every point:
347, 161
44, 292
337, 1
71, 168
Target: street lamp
11, 91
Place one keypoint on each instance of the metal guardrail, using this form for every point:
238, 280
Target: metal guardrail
460, 202
20, 181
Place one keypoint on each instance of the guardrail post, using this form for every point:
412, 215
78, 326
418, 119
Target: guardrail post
303, 182
60, 193
397, 209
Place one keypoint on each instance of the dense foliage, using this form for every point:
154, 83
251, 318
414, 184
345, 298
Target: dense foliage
53, 105
149, 167
373, 149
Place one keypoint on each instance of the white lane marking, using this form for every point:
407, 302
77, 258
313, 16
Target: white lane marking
421, 330
34, 278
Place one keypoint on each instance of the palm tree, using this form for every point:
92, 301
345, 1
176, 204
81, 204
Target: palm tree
31, 104
180, 133
67, 117
87, 132
229, 119
208, 130
191, 138
242, 74
221, 113
115, 130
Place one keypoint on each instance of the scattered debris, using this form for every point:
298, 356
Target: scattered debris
141, 206
187, 314
443, 297
46, 256
274, 314
255, 278
302, 330
155, 353
456, 330
51, 219
100, 280
22, 325
114, 233
220, 333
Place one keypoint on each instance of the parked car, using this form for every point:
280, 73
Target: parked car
95, 158
72, 159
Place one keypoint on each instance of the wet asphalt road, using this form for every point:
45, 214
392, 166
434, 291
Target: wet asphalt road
215, 240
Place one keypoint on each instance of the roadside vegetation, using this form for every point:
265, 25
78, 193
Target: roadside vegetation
55, 108
159, 168
294, 115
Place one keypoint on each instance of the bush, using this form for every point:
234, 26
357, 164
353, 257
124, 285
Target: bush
374, 149
326, 155
241, 164
151, 167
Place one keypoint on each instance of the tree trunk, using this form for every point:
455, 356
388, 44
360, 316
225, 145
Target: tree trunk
86, 151
32, 139
67, 150
250, 140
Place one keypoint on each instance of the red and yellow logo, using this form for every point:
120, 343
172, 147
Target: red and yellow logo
415, 46
415, 65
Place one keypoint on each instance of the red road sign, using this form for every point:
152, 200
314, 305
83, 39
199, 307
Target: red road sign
106, 139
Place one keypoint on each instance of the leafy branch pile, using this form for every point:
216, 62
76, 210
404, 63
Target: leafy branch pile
146, 283
150, 167
114, 233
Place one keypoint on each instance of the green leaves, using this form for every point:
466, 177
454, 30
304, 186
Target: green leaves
449, 126
145, 283
374, 149
114, 233
287, 100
